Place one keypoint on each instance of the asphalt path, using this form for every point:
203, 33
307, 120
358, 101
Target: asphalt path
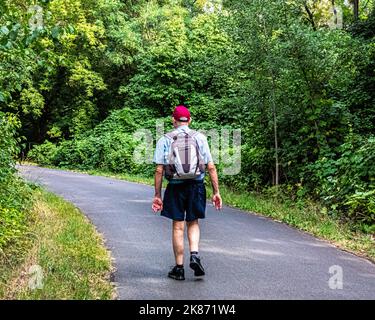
246, 256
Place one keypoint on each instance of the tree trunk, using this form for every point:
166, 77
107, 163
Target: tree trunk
356, 9
275, 129
274, 114
310, 16
276, 145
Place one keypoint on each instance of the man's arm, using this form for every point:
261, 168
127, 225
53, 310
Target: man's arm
157, 203
216, 198
158, 180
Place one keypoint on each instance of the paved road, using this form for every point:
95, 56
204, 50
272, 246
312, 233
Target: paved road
246, 256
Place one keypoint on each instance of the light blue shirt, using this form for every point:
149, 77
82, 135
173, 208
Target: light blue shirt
163, 145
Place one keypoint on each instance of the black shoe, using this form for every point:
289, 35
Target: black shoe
177, 273
195, 264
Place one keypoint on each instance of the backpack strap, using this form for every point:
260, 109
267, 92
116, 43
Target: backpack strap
171, 135
201, 163
193, 133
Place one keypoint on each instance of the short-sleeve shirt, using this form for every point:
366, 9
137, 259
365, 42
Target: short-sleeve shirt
163, 145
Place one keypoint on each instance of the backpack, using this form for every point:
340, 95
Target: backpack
184, 158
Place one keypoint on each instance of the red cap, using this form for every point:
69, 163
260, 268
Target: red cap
181, 113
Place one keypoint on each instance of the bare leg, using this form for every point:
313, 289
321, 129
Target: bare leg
178, 241
193, 235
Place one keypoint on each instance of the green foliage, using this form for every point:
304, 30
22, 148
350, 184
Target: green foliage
110, 146
8, 147
302, 92
13, 192
58, 71
362, 207
44, 154
66, 245
177, 62
346, 181
12, 225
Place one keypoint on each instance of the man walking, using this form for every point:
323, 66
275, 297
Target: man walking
183, 156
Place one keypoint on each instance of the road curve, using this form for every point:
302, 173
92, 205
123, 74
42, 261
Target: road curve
245, 256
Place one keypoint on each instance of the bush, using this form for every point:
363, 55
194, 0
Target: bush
109, 146
12, 225
14, 194
44, 154
8, 147
362, 206
345, 182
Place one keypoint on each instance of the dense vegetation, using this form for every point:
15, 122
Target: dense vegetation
301, 90
14, 193
38, 229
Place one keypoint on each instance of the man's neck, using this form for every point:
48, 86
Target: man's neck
183, 126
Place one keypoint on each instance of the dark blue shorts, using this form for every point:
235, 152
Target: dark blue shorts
185, 201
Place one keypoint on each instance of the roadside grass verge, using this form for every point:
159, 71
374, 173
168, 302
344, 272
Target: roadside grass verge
307, 216
64, 255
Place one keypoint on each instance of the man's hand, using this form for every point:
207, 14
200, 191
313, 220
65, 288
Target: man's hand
217, 201
157, 204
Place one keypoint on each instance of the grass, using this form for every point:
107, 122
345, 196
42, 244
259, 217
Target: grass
308, 217
65, 249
